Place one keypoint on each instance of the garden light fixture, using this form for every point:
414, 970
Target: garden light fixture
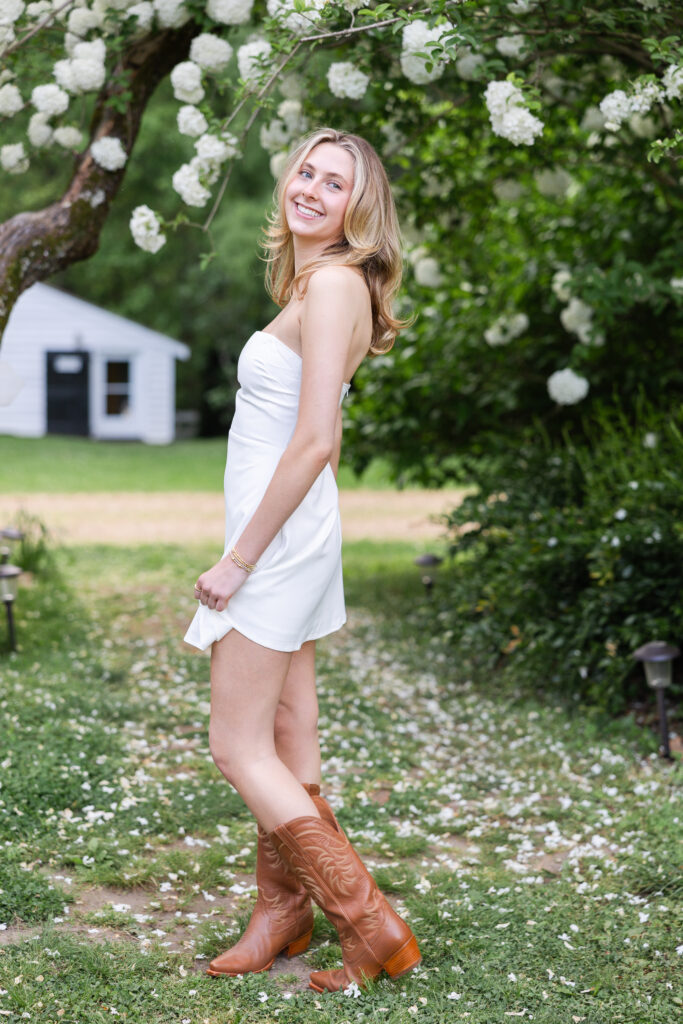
9, 584
428, 562
657, 656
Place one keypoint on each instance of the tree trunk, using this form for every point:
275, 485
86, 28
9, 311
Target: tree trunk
35, 245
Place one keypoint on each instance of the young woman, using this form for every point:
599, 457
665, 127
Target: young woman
334, 267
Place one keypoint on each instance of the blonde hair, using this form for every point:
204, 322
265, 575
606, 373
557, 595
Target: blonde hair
371, 239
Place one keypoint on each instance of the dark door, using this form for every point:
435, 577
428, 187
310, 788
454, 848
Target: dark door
67, 393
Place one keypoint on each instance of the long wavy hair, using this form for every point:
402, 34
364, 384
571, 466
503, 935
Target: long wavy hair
371, 239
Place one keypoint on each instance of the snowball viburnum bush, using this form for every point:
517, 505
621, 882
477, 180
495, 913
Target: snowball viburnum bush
109, 153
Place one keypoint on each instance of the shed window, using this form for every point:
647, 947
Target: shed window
117, 389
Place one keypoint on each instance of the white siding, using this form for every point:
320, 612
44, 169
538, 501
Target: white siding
45, 319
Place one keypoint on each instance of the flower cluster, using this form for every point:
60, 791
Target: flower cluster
299, 21
566, 387
619, 106
577, 318
418, 38
191, 180
252, 58
346, 81
109, 153
211, 53
229, 12
508, 115
506, 328
146, 229
277, 135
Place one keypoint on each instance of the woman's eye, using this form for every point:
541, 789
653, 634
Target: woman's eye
335, 184
305, 174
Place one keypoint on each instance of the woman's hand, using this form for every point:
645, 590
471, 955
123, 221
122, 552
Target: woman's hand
216, 586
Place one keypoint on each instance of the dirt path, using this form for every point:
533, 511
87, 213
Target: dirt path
182, 517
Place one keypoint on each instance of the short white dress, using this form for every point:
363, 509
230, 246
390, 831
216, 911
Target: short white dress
296, 593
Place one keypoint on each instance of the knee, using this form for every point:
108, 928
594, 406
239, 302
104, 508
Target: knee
225, 755
295, 723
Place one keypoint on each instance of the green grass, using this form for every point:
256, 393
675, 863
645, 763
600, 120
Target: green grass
66, 464
535, 848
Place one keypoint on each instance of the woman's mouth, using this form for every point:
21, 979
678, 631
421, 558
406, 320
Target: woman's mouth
307, 211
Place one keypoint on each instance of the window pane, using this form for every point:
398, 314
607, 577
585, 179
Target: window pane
117, 405
117, 373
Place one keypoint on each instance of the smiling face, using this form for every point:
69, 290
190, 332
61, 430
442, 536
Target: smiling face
317, 194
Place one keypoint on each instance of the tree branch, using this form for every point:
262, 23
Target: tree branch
34, 245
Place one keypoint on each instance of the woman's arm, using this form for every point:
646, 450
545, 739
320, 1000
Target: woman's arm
336, 448
330, 310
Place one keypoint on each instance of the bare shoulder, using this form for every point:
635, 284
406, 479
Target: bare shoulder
337, 279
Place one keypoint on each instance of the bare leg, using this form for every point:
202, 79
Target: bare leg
296, 719
247, 681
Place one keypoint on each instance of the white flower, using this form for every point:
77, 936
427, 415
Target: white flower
108, 152
213, 149
672, 80
417, 38
522, 6
82, 19
10, 100
577, 318
251, 58
210, 52
7, 37
186, 183
642, 127
171, 13
507, 190
593, 120
566, 387
229, 12
144, 12
511, 46
64, 76
650, 440
505, 328
186, 79
191, 121
39, 130
346, 81
207, 171
428, 272
278, 163
274, 135
68, 136
560, 285
10, 10
467, 63
509, 117
50, 99
552, 182
291, 112
298, 22
13, 159
352, 990
643, 96
454, 995
39, 9
87, 74
146, 229
615, 108
676, 283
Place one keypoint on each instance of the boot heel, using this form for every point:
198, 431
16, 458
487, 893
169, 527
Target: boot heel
407, 957
300, 944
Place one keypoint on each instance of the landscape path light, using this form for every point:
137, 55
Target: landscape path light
429, 563
9, 585
657, 656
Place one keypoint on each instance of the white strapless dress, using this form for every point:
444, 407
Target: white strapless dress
296, 593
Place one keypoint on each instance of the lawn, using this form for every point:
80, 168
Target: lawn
68, 464
534, 847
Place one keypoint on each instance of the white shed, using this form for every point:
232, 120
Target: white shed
80, 369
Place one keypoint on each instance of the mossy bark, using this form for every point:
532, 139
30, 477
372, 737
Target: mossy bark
35, 245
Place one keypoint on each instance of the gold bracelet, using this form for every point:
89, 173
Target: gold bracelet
238, 560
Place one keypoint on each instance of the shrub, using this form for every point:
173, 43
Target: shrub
570, 557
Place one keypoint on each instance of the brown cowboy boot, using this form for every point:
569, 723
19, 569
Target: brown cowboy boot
373, 937
282, 919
